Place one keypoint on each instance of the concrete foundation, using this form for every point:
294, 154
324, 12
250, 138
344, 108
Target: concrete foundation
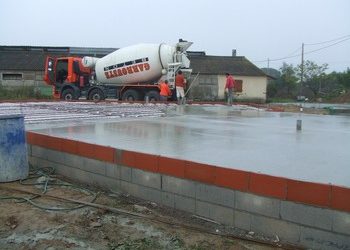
161, 180
237, 165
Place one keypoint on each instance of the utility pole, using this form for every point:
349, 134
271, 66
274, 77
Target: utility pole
268, 63
301, 69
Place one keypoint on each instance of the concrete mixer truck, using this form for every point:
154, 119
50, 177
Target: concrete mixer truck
130, 73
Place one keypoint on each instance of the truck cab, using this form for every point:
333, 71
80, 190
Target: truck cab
67, 76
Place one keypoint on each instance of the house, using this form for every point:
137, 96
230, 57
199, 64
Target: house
24, 66
251, 82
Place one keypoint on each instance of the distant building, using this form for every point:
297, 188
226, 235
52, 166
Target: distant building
251, 82
24, 66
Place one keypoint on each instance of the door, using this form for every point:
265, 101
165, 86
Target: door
49, 70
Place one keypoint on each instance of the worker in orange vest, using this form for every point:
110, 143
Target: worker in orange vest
165, 91
180, 83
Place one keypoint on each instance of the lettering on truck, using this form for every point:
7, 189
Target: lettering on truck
126, 68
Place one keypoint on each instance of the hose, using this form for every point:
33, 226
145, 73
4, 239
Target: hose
47, 173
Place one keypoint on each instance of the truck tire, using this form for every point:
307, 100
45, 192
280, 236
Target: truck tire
130, 95
69, 95
153, 96
96, 95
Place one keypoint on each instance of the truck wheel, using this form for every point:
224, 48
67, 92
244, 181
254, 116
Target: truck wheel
96, 95
130, 95
153, 96
68, 95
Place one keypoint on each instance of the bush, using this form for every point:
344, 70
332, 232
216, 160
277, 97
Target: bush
21, 93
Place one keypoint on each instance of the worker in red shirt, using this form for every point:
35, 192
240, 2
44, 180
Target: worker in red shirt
165, 91
229, 87
180, 83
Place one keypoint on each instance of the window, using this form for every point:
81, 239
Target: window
238, 85
7, 76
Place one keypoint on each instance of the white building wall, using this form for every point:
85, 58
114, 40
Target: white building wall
253, 87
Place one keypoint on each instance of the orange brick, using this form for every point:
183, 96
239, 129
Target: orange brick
200, 172
86, 149
53, 143
173, 167
309, 193
340, 198
30, 137
268, 185
127, 158
118, 156
104, 153
232, 178
39, 140
143, 161
146, 162
69, 146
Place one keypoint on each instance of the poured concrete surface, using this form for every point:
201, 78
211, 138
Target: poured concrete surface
234, 137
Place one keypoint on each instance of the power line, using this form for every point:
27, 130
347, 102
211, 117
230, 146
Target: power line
327, 46
336, 39
308, 52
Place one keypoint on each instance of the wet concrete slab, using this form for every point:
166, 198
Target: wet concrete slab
235, 137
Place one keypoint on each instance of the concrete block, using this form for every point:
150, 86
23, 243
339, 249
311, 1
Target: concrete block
145, 178
93, 166
341, 222
141, 192
32, 160
257, 204
29, 149
150, 194
39, 152
306, 215
178, 186
40, 163
318, 239
242, 220
125, 173
129, 188
287, 232
105, 182
216, 195
55, 156
112, 170
220, 214
71, 173
168, 199
87, 177
185, 203
71, 160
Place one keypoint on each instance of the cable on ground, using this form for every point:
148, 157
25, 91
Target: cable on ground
48, 179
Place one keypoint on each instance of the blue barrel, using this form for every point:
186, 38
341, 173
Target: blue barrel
13, 148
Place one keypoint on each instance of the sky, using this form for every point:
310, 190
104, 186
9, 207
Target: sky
259, 30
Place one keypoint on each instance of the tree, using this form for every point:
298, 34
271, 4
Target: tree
288, 78
313, 77
344, 78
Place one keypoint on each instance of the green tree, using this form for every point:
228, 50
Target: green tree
288, 79
344, 78
314, 76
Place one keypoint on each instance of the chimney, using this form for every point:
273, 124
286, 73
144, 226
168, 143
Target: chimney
234, 52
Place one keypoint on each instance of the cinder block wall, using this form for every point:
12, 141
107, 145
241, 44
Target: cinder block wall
303, 213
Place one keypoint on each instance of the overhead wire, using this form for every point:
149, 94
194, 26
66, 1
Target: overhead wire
343, 39
308, 52
336, 39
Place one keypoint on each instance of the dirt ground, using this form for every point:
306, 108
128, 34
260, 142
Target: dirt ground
26, 226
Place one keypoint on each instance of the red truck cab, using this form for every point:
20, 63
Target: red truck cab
63, 71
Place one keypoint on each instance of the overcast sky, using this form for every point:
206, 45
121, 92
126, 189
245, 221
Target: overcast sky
257, 29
